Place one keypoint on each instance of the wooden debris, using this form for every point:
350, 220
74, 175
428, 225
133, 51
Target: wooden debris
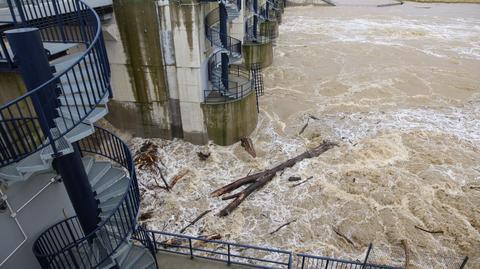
206, 237
247, 144
292, 179
258, 180
283, 225
146, 157
174, 242
177, 178
304, 127
300, 183
343, 236
428, 231
203, 156
313, 117
145, 216
405, 250
195, 220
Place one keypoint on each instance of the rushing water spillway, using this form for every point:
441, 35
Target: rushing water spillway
398, 88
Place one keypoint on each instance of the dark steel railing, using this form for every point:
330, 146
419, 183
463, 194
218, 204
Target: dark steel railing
5, 56
305, 261
238, 85
221, 251
65, 245
214, 36
88, 76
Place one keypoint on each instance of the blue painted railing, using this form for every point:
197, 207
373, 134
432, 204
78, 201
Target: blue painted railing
220, 251
214, 36
305, 261
224, 90
62, 245
25, 131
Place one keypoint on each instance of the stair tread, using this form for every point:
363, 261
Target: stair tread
67, 61
144, 261
10, 173
109, 178
122, 253
74, 114
110, 204
80, 131
134, 255
32, 163
82, 99
98, 170
87, 163
117, 189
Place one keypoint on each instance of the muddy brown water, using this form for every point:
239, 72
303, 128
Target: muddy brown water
398, 88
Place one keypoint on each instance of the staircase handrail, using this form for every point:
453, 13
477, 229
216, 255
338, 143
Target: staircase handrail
20, 141
213, 18
119, 152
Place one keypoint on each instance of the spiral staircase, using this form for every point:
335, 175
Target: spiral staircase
34, 133
267, 12
236, 82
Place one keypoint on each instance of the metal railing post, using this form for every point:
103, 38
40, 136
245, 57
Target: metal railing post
228, 257
366, 256
191, 248
464, 262
303, 261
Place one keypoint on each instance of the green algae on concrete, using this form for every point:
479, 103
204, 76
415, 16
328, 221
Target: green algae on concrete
138, 25
261, 53
269, 29
11, 86
228, 122
182, 16
136, 118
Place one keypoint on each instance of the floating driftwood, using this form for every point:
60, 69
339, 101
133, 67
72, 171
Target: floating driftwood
247, 144
283, 225
258, 180
177, 178
405, 250
343, 236
203, 156
195, 220
428, 231
300, 183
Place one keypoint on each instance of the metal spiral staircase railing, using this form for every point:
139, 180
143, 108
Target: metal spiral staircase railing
35, 132
64, 245
239, 82
266, 12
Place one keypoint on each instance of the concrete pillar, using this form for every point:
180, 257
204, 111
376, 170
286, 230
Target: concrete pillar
141, 103
188, 32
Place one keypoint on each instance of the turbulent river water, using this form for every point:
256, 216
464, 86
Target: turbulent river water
399, 89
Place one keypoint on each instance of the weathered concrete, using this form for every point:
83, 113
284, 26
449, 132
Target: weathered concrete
138, 74
269, 29
261, 53
11, 86
228, 122
176, 261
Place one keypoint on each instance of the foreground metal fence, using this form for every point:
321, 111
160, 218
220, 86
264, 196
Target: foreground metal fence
221, 251
250, 256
